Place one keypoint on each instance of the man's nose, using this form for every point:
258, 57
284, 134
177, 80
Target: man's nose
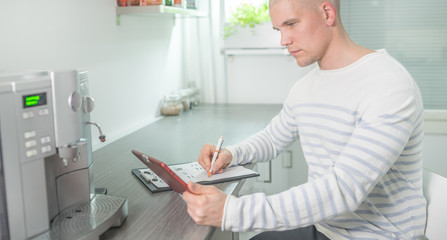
285, 39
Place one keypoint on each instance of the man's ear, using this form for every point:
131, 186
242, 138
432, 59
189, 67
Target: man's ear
330, 13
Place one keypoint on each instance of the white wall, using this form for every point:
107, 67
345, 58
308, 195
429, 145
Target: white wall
435, 141
130, 66
203, 61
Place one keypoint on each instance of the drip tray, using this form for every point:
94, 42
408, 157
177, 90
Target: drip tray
88, 220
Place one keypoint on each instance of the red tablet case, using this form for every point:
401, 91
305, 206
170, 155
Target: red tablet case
163, 171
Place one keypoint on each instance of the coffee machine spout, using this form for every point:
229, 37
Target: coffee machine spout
102, 137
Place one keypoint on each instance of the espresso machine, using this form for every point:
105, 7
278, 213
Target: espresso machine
46, 165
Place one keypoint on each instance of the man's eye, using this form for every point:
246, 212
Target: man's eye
291, 24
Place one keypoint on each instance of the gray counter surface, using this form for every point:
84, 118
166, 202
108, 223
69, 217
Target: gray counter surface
173, 139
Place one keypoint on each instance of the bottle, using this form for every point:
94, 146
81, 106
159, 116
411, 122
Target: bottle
168, 2
191, 4
177, 3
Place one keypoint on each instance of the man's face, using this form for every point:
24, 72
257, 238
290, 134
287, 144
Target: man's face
303, 29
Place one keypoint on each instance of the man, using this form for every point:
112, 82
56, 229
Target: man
359, 120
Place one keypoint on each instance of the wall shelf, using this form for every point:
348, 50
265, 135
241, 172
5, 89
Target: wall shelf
156, 10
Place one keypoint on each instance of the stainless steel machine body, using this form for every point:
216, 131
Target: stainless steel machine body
46, 165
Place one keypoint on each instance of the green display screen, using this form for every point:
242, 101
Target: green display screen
33, 100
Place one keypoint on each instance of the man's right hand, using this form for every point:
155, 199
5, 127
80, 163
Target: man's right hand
206, 155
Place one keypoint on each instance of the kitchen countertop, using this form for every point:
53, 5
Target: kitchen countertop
172, 139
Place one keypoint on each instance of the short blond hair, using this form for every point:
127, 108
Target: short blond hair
335, 3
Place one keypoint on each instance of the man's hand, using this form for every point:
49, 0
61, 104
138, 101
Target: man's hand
222, 161
205, 204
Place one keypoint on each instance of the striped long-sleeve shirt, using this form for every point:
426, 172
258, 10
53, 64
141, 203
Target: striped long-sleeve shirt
361, 131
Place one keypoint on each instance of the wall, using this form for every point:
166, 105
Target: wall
256, 63
435, 153
130, 66
203, 62
133, 65
435, 141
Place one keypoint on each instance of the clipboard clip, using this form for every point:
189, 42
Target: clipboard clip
145, 157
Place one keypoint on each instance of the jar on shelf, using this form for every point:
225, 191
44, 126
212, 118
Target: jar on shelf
133, 2
178, 3
172, 105
150, 2
121, 3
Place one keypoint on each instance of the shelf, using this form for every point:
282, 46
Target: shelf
155, 10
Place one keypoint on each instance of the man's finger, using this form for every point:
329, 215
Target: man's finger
198, 188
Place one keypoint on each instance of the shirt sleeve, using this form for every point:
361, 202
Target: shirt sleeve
268, 143
373, 147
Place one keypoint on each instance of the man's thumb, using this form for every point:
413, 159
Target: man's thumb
197, 188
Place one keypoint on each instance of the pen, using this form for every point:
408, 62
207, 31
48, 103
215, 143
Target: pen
219, 144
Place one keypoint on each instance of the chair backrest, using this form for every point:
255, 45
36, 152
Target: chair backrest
435, 191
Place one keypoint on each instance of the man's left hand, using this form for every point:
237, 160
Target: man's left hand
205, 204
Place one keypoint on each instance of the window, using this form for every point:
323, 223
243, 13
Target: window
231, 5
412, 31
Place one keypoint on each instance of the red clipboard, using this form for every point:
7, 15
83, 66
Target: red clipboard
163, 171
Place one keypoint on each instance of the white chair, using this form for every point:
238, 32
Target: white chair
435, 191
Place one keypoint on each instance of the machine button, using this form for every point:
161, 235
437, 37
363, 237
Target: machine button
46, 149
31, 153
30, 134
26, 115
88, 104
31, 143
46, 139
74, 100
44, 111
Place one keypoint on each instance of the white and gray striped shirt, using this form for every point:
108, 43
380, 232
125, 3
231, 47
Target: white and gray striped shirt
361, 131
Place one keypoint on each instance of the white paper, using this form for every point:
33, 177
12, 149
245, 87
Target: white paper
229, 172
195, 173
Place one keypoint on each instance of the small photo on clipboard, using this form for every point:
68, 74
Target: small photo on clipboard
163, 171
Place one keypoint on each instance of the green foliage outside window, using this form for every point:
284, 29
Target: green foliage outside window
247, 15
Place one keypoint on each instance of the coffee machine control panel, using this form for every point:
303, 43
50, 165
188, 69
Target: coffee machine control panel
27, 138
35, 125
